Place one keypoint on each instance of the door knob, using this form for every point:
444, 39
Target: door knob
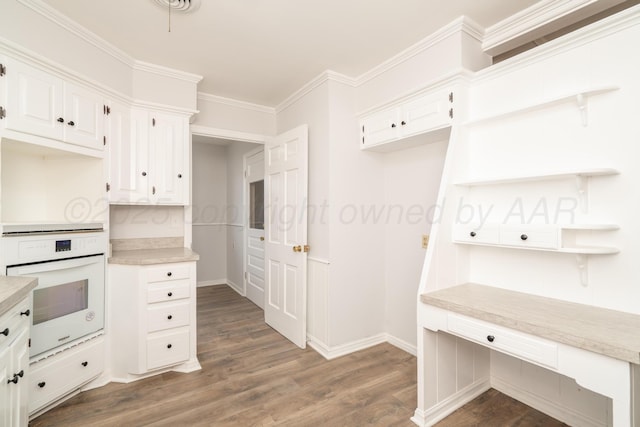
297, 248
262, 238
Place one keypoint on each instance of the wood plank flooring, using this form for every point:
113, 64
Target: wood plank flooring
251, 376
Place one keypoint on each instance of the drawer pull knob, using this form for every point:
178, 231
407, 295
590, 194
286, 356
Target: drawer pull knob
169, 346
393, 125
144, 173
170, 294
472, 234
27, 312
524, 237
14, 380
5, 332
403, 123
169, 274
169, 317
85, 363
71, 123
60, 120
21, 373
490, 338
42, 384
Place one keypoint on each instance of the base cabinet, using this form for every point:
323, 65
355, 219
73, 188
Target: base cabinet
156, 317
54, 377
14, 365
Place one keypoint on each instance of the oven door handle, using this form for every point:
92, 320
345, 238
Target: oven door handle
53, 266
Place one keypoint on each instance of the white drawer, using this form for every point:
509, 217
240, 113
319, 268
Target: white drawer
14, 321
167, 348
530, 237
166, 316
168, 291
474, 233
507, 341
52, 378
168, 272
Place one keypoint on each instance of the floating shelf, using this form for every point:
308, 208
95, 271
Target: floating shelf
594, 227
580, 98
540, 177
578, 250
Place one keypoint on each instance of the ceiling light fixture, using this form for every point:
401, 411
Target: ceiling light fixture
180, 6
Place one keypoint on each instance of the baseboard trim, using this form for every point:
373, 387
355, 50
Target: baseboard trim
329, 352
402, 345
236, 288
446, 407
551, 408
217, 282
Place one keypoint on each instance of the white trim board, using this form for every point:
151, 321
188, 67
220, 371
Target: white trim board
227, 134
202, 96
206, 283
329, 352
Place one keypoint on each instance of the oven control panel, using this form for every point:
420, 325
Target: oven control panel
26, 249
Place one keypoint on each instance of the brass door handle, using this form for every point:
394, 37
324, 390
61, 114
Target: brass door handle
262, 238
297, 248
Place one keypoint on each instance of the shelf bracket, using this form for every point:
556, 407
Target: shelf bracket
583, 267
583, 193
581, 99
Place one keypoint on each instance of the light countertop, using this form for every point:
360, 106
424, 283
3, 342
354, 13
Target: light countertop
13, 289
152, 256
612, 333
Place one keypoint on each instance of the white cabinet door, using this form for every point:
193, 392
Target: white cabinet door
127, 142
84, 116
425, 113
168, 149
380, 127
35, 101
6, 388
20, 361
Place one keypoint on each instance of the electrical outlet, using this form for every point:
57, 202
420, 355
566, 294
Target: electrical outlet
425, 240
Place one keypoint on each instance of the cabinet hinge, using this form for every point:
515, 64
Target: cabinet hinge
108, 187
451, 113
108, 110
3, 70
153, 122
3, 113
245, 275
104, 140
450, 96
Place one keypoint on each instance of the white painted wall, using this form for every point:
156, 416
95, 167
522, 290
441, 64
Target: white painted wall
131, 222
209, 196
411, 182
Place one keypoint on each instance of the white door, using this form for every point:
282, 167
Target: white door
254, 263
168, 149
286, 234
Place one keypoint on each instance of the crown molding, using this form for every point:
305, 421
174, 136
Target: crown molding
78, 30
323, 77
202, 96
597, 30
226, 134
166, 72
538, 15
461, 24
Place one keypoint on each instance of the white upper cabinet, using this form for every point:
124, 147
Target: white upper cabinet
149, 165
41, 104
424, 113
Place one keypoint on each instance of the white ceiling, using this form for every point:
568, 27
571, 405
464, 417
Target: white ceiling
261, 51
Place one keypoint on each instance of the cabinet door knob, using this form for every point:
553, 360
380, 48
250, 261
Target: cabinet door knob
85, 363
144, 173
169, 274
14, 380
21, 373
170, 294
393, 125
27, 312
524, 237
71, 123
60, 120
403, 123
472, 234
169, 346
42, 384
179, 175
5, 332
169, 317
490, 338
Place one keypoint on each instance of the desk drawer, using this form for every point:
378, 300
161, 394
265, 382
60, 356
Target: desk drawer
528, 237
474, 233
168, 291
505, 340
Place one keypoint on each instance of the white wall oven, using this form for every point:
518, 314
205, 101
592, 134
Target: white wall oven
69, 262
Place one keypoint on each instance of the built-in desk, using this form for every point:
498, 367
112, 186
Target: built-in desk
599, 348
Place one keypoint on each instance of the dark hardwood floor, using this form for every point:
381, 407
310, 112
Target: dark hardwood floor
251, 376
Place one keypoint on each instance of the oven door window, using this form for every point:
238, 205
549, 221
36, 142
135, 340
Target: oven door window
57, 301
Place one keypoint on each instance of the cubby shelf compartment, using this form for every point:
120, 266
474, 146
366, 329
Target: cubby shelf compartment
580, 97
582, 173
